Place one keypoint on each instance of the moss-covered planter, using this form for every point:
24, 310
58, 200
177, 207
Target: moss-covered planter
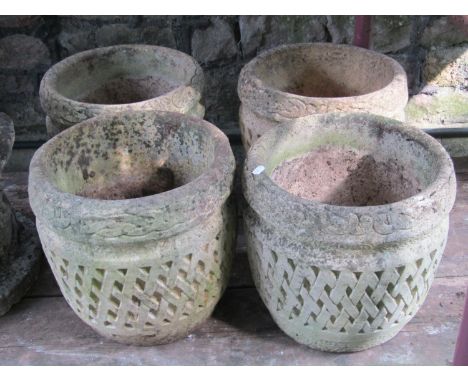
293, 81
346, 268
19, 245
120, 78
134, 217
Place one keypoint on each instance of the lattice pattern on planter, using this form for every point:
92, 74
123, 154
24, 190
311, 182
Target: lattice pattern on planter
342, 301
149, 295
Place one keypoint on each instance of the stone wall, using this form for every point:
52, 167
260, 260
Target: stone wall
432, 49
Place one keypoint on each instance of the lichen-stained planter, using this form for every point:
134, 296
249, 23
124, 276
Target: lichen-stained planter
293, 81
134, 216
20, 252
346, 267
120, 78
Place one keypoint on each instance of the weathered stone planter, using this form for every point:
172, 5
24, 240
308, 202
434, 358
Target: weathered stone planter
293, 81
120, 78
137, 266
19, 245
347, 265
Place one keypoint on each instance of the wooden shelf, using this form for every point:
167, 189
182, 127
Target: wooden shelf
43, 330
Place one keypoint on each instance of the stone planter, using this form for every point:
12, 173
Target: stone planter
293, 81
345, 258
133, 214
19, 246
120, 78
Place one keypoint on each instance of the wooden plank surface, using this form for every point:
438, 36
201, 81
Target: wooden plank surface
43, 330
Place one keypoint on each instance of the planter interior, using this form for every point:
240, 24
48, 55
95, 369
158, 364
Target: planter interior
352, 168
318, 72
122, 75
121, 163
346, 176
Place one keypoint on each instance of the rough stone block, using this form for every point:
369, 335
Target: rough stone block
444, 107
25, 112
71, 43
115, 34
80, 23
17, 84
109, 19
294, 29
252, 29
215, 42
263, 32
74, 24
20, 52
159, 21
391, 33
341, 29
445, 31
156, 35
447, 67
78, 33
20, 21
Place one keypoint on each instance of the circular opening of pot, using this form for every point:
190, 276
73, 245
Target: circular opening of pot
122, 74
324, 70
130, 156
352, 165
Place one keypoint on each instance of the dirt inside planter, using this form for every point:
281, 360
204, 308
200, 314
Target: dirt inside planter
326, 91
346, 177
324, 71
123, 90
136, 183
312, 84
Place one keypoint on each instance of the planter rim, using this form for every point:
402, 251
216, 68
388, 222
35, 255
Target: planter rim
248, 79
49, 93
204, 193
443, 187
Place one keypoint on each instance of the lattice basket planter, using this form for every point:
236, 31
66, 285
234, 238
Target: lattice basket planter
134, 216
297, 80
346, 260
120, 78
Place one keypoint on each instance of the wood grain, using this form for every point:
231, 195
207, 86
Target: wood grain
43, 330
